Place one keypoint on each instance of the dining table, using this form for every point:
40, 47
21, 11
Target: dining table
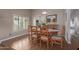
51, 32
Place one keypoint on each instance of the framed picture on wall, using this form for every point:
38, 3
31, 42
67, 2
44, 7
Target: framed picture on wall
51, 18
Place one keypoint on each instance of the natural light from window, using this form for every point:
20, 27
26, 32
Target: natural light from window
20, 23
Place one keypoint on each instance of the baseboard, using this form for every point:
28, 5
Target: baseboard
12, 37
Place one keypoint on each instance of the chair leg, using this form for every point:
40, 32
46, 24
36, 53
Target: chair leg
29, 37
52, 43
61, 44
47, 44
40, 43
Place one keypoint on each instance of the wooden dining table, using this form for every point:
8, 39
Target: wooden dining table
50, 31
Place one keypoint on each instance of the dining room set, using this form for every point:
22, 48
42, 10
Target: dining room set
48, 32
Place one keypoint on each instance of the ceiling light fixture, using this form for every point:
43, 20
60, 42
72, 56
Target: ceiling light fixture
44, 12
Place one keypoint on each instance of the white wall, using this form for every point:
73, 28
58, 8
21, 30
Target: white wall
61, 16
6, 20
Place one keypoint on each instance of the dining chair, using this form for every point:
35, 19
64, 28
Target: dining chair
59, 38
33, 32
44, 36
38, 31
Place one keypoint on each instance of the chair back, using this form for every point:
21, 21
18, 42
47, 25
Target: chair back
44, 28
62, 31
33, 28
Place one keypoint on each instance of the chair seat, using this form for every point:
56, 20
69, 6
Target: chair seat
44, 38
35, 36
58, 39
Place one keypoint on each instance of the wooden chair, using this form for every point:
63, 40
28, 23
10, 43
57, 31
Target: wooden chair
44, 35
38, 31
33, 32
58, 39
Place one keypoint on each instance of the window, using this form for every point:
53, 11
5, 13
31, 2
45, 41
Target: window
40, 19
20, 23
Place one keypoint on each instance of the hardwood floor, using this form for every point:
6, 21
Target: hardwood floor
23, 43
